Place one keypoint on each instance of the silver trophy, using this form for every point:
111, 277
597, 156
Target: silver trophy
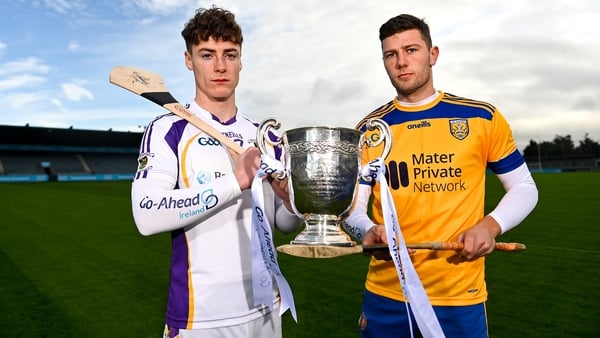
323, 168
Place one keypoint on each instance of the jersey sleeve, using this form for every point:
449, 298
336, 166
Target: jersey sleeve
358, 222
158, 208
158, 203
503, 155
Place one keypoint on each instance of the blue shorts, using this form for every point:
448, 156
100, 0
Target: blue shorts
384, 317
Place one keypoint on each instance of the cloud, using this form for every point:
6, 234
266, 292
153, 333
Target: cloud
64, 6
21, 81
161, 7
26, 65
75, 92
314, 62
58, 104
73, 46
17, 102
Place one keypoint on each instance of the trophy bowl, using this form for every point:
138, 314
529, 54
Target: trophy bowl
323, 168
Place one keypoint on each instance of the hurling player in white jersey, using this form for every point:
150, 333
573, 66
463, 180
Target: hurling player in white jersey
188, 184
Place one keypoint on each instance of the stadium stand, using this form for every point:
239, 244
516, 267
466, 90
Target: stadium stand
54, 154
31, 154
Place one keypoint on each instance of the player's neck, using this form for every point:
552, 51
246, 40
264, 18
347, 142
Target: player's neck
420, 102
223, 110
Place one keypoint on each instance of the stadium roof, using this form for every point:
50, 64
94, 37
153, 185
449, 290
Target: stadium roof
41, 138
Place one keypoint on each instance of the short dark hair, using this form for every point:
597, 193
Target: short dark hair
404, 22
214, 22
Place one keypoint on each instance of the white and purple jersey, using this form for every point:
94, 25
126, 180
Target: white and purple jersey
185, 184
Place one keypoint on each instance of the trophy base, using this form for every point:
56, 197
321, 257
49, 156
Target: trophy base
323, 240
323, 230
319, 251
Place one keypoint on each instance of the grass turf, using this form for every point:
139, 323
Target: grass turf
73, 263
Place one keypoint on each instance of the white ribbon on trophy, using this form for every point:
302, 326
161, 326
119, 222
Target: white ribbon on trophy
409, 279
264, 255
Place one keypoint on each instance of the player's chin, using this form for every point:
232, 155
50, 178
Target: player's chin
222, 96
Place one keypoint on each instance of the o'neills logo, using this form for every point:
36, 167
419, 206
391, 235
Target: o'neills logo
422, 124
459, 128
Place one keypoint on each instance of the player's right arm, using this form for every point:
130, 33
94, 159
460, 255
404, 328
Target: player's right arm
358, 223
157, 207
160, 201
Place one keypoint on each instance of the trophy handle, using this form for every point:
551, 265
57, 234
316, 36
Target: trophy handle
262, 138
385, 135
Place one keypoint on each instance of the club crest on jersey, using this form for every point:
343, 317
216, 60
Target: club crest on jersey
142, 162
459, 128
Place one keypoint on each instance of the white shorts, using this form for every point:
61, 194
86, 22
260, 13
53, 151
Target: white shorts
268, 326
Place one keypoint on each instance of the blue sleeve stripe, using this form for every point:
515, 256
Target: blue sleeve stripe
508, 163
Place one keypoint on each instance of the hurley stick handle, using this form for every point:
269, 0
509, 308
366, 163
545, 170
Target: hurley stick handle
500, 246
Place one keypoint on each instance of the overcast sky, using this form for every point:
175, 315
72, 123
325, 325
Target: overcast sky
310, 62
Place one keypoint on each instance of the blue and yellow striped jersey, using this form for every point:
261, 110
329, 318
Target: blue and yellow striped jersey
436, 171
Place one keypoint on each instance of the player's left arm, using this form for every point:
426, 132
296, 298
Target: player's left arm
286, 219
283, 217
518, 201
505, 160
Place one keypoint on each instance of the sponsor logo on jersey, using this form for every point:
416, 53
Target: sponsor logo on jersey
208, 141
190, 206
204, 177
235, 137
426, 173
232, 135
422, 124
459, 128
207, 176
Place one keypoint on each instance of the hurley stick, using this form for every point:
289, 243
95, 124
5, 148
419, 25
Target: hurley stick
500, 246
152, 87
329, 251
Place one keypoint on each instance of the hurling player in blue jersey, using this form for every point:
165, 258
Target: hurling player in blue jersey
188, 184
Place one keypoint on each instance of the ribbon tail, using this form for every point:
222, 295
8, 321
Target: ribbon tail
409, 279
263, 244
262, 288
287, 298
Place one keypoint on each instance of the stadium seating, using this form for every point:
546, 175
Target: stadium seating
28, 153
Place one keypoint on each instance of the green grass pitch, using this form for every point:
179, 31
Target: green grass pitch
73, 264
